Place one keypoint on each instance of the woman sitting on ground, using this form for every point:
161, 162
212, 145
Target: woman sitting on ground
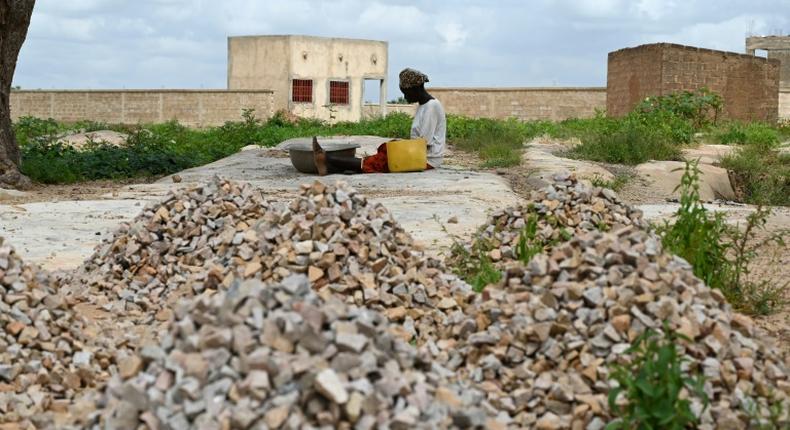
429, 123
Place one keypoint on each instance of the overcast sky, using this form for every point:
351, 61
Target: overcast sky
75, 44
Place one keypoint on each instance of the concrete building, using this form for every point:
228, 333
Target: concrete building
312, 77
778, 47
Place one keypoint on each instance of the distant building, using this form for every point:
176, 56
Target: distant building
777, 47
312, 77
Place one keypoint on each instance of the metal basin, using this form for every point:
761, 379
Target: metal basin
301, 154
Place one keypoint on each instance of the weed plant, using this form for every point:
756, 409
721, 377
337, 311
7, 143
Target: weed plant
161, 149
760, 169
617, 183
653, 384
656, 129
722, 255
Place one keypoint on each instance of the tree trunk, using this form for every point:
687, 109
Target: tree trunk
14, 21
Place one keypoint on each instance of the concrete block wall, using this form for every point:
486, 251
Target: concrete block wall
373, 110
749, 85
553, 104
784, 105
526, 103
201, 108
194, 108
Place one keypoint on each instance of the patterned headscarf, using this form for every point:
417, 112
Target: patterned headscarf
410, 78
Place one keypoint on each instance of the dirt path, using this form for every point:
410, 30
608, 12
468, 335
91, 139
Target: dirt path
91, 190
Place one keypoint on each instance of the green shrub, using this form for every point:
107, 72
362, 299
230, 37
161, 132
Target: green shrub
699, 108
29, 129
498, 143
761, 173
755, 133
629, 141
655, 130
696, 235
620, 180
161, 149
652, 383
721, 255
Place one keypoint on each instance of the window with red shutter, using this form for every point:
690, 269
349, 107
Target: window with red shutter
302, 90
338, 92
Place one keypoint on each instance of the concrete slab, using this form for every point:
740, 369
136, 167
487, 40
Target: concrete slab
539, 159
708, 153
9, 194
664, 176
421, 202
61, 235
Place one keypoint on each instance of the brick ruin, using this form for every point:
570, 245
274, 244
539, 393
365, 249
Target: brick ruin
749, 85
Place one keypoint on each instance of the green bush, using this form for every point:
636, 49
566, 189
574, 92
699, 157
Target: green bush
755, 133
721, 255
632, 140
652, 383
498, 142
696, 235
699, 108
761, 172
656, 129
161, 149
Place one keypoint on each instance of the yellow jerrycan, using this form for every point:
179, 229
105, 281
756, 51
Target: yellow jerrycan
407, 155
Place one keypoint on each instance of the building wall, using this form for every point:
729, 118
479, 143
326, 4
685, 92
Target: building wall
196, 108
777, 47
749, 85
272, 61
632, 75
784, 105
260, 63
553, 104
784, 66
373, 110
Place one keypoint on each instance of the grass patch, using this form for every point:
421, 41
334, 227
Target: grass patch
722, 255
761, 171
498, 142
656, 129
754, 133
629, 142
161, 149
619, 181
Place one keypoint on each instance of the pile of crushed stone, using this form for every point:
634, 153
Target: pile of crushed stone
556, 213
280, 356
49, 353
205, 238
340, 321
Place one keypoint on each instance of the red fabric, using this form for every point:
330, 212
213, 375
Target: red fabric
378, 163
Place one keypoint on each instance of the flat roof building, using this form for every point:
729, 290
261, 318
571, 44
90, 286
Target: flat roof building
314, 77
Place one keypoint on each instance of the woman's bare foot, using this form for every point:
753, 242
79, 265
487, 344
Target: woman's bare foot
320, 158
